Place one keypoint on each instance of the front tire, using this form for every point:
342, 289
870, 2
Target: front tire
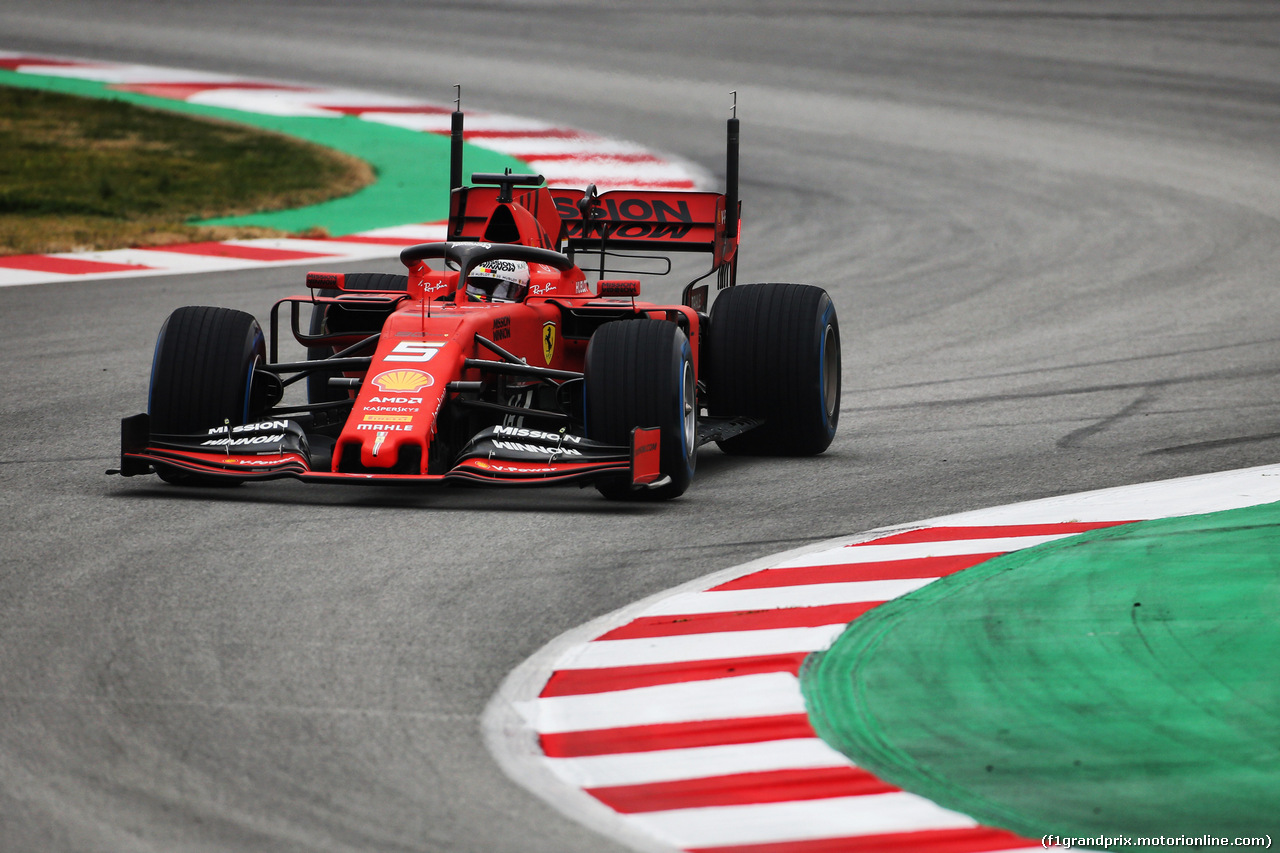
202, 375
774, 353
639, 373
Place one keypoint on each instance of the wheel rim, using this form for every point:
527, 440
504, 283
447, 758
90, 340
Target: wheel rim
690, 409
246, 409
830, 371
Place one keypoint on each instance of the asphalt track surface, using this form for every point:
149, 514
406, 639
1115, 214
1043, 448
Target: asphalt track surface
1051, 232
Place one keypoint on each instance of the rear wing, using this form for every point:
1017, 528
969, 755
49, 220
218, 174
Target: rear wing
510, 208
650, 220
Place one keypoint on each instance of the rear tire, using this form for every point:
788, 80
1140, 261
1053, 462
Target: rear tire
202, 375
639, 373
774, 353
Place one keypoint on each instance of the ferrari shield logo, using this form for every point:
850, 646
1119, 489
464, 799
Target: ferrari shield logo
548, 341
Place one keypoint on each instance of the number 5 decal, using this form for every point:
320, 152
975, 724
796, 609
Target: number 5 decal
413, 351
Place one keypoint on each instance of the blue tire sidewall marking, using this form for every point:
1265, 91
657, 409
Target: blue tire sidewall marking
155, 362
824, 324
687, 452
248, 380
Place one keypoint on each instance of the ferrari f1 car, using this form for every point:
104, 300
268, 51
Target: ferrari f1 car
495, 359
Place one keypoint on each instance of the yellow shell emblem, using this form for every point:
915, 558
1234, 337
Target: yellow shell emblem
403, 381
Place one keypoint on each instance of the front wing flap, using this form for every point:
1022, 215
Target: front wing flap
259, 451
512, 455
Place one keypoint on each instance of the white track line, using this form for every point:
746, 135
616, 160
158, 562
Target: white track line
725, 698
670, 765
803, 820
694, 647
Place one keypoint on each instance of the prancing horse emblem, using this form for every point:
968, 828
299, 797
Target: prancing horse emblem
548, 341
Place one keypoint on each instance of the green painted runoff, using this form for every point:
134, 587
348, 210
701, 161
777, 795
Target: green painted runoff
1124, 682
412, 167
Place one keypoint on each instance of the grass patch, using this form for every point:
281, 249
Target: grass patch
81, 174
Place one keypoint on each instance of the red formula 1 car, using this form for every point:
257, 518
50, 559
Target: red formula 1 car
497, 360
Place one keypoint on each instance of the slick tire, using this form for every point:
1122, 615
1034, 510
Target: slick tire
202, 375
773, 352
639, 373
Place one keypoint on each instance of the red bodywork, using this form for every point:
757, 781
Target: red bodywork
441, 366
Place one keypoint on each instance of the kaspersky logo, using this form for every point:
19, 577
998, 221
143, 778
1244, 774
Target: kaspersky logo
403, 381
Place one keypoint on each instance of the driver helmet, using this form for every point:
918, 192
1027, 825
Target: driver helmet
498, 281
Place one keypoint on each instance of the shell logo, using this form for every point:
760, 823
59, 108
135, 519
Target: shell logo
405, 381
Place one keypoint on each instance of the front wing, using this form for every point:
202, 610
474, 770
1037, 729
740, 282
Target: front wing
499, 456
